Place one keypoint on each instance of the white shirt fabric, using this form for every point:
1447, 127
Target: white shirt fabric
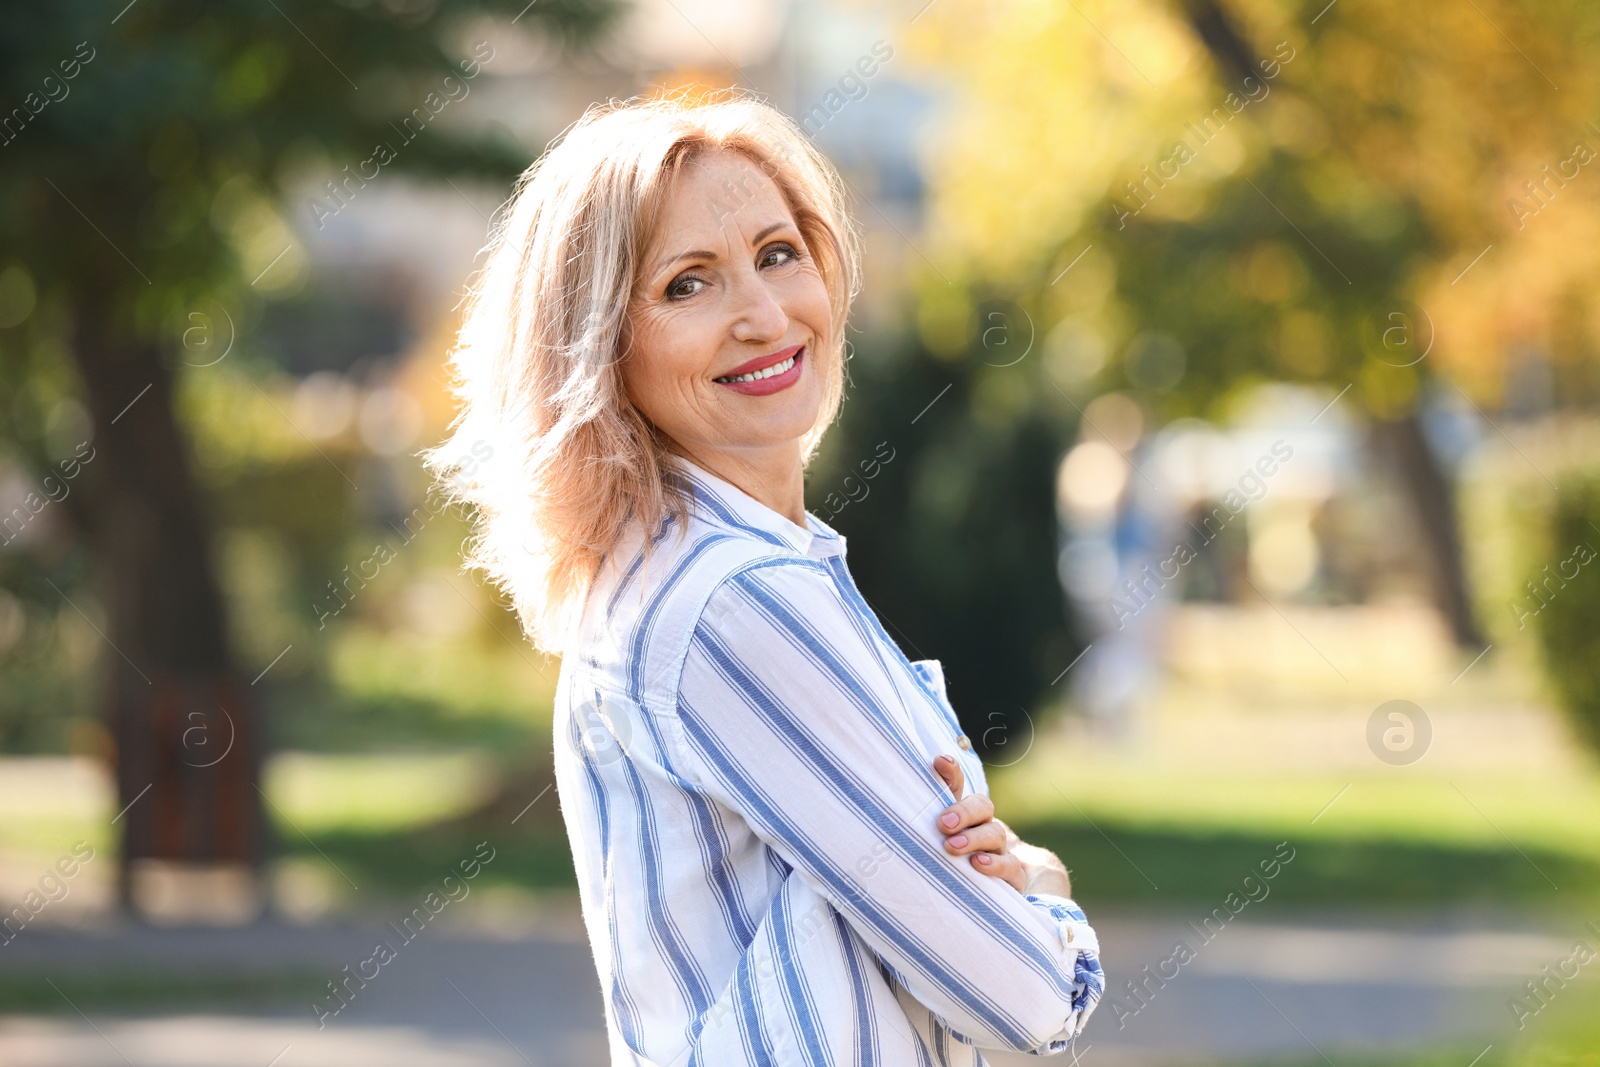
744, 763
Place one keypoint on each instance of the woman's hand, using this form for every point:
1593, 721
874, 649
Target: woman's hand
971, 829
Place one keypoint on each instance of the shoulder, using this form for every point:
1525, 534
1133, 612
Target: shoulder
780, 588
642, 611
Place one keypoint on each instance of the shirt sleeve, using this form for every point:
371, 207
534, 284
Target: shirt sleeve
795, 718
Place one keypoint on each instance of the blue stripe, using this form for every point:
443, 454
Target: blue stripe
863, 611
805, 744
712, 841
816, 859
753, 1032
646, 625
621, 1000
704, 494
663, 931
794, 983
941, 1042
800, 633
633, 568
866, 1022
695, 912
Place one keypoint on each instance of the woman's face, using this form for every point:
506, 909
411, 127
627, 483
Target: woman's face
726, 317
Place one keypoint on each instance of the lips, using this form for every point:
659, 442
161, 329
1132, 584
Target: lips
766, 374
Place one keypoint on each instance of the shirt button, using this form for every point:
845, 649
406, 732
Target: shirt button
964, 741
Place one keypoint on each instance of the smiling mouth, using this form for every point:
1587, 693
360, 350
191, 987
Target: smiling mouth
756, 375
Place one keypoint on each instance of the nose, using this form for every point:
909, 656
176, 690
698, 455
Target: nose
758, 315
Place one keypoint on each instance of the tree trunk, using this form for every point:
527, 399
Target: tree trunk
1433, 499
187, 740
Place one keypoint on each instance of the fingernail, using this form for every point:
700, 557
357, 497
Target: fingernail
949, 818
985, 859
958, 841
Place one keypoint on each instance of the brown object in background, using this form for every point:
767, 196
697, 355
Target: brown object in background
188, 757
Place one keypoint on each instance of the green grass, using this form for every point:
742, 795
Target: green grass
400, 690
1113, 864
1553, 812
402, 864
1129, 865
1564, 1034
65, 992
314, 793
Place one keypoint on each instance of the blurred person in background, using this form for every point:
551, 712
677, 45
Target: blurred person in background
767, 802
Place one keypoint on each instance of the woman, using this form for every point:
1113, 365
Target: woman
777, 857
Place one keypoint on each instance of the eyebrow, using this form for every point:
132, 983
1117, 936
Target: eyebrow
702, 254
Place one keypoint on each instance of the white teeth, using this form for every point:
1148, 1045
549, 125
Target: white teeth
757, 375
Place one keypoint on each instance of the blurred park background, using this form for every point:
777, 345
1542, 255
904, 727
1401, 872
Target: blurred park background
1224, 413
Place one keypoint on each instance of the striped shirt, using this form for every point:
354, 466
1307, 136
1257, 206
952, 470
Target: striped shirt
744, 763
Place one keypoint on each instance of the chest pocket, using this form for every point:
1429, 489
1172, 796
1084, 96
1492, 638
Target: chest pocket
942, 732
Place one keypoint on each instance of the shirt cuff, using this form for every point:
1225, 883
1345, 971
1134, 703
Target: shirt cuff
1081, 947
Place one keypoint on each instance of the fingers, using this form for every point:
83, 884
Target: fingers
968, 811
985, 837
949, 769
1007, 868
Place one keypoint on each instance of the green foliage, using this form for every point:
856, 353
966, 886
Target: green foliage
146, 153
941, 476
1568, 624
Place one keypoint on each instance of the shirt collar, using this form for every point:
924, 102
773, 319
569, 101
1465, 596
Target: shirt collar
727, 505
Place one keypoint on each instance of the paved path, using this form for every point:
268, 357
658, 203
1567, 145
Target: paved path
527, 994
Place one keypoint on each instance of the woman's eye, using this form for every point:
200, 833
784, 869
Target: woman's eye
779, 250
677, 291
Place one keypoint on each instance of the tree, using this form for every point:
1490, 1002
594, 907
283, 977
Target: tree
145, 149
1308, 193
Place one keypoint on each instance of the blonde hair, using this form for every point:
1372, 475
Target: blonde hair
547, 448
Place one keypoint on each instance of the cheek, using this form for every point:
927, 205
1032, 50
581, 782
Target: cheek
812, 305
667, 358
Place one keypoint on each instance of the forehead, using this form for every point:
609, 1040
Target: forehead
713, 189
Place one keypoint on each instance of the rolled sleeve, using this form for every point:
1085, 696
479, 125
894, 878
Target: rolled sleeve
795, 719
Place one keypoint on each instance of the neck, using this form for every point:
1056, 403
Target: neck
774, 476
